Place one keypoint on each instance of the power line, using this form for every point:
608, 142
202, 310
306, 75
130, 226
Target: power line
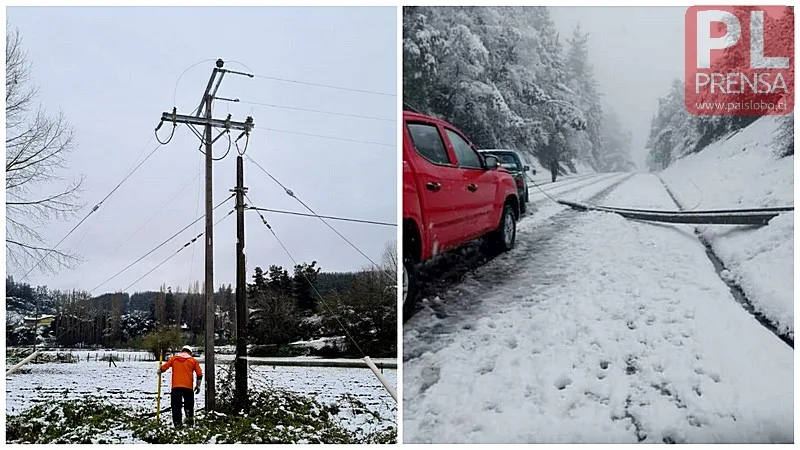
175, 90
95, 208
158, 211
315, 110
287, 190
345, 219
294, 261
291, 194
178, 251
85, 233
341, 88
330, 137
144, 147
158, 246
544, 192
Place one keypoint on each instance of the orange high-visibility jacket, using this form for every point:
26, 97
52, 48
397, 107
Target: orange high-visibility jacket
182, 367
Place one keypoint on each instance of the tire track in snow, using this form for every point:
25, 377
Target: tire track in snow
458, 280
555, 191
564, 181
450, 268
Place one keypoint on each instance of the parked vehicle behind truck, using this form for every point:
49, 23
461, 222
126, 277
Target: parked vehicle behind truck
451, 195
512, 161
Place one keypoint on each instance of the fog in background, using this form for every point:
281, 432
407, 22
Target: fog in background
636, 52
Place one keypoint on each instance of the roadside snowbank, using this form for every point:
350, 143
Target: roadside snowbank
741, 171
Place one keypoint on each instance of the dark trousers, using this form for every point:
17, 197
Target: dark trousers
182, 397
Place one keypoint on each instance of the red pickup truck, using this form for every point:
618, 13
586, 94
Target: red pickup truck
451, 195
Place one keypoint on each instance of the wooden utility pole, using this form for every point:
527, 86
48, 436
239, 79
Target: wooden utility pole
242, 311
210, 307
208, 122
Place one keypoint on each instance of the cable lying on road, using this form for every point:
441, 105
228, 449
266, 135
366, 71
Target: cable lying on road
777, 209
752, 216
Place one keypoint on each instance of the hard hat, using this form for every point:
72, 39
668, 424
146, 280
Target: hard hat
187, 349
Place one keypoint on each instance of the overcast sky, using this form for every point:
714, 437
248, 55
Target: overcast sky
113, 72
636, 53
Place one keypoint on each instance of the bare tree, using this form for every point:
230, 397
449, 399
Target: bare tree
389, 260
160, 306
37, 147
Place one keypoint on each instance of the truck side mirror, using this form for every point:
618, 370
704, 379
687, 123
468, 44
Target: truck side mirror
526, 168
492, 162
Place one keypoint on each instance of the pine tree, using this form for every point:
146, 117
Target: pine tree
259, 282
170, 313
673, 132
305, 275
279, 280
587, 99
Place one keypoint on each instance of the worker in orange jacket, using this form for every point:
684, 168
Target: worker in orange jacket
183, 364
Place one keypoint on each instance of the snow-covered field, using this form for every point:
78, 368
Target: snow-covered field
595, 329
741, 171
135, 384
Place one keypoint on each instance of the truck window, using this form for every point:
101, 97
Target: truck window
467, 157
508, 161
428, 143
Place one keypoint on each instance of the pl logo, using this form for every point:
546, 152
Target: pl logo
739, 60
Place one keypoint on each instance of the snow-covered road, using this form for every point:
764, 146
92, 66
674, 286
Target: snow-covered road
595, 329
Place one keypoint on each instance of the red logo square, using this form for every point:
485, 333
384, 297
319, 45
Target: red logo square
739, 60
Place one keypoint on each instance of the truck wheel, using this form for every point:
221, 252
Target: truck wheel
409, 288
505, 236
523, 206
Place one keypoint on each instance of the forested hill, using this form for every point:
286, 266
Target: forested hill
24, 299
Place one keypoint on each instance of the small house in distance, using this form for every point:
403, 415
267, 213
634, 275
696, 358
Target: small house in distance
42, 320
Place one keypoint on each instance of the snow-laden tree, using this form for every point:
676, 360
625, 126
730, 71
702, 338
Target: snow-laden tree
501, 74
586, 97
672, 129
422, 43
784, 136
617, 142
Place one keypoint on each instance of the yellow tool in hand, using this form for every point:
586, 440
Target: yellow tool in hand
158, 399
